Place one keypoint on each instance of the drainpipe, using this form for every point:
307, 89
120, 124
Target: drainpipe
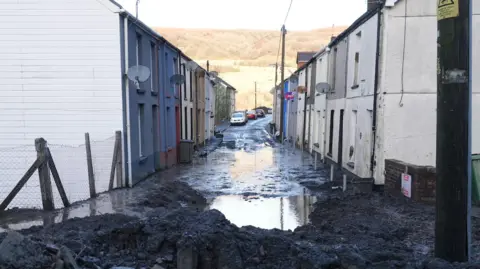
305, 108
180, 70
127, 101
196, 109
375, 90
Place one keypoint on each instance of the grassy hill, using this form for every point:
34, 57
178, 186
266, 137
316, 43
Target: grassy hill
242, 57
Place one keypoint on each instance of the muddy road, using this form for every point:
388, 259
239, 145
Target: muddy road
243, 205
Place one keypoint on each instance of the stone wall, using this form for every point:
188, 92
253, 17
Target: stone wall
423, 180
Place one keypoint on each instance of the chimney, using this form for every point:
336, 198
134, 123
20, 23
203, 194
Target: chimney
332, 38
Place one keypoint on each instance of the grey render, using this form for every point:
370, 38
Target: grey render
338, 70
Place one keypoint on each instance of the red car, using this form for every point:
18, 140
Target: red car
251, 115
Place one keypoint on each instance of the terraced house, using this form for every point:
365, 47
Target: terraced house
380, 112
64, 73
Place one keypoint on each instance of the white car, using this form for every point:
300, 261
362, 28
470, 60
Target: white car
239, 118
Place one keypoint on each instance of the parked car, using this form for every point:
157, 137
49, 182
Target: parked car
260, 113
252, 115
270, 111
239, 118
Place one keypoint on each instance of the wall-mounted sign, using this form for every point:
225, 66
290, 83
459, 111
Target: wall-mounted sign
407, 185
289, 96
447, 9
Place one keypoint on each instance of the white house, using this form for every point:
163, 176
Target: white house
319, 115
360, 87
187, 99
407, 87
60, 78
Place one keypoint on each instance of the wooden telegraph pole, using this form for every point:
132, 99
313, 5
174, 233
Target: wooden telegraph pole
453, 194
282, 78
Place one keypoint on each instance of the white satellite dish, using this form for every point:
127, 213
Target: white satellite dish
293, 78
191, 65
322, 87
177, 79
138, 74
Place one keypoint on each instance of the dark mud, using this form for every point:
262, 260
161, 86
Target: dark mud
346, 231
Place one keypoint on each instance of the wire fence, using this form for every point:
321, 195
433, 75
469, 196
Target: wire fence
71, 164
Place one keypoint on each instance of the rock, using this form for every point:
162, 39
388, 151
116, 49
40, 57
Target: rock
159, 260
141, 256
262, 251
18, 251
59, 264
168, 258
187, 257
437, 264
67, 256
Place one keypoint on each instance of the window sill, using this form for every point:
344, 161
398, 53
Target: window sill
140, 91
168, 96
354, 87
316, 145
142, 159
153, 93
351, 165
329, 154
169, 149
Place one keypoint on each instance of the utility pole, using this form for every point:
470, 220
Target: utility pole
453, 166
255, 95
282, 78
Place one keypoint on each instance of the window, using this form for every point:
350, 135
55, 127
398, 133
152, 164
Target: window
334, 75
175, 71
168, 93
138, 50
191, 85
184, 73
185, 123
169, 127
330, 140
355, 72
152, 67
155, 129
141, 129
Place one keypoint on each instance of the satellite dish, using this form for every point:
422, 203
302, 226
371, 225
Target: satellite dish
322, 87
293, 78
138, 74
191, 65
177, 79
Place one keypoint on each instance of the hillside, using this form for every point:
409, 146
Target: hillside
242, 57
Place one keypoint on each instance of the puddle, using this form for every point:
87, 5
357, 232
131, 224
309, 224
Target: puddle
285, 213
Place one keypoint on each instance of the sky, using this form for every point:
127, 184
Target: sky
247, 14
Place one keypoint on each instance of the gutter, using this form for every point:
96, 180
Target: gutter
375, 90
180, 96
305, 109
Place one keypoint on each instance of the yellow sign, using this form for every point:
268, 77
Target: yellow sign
447, 9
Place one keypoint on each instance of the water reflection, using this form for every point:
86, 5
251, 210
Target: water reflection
285, 213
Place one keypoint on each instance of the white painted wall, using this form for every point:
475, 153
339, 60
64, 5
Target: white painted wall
337, 105
186, 103
320, 115
300, 108
209, 108
359, 102
60, 77
400, 137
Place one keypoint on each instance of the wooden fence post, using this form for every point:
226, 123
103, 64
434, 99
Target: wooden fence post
91, 177
56, 179
44, 174
116, 151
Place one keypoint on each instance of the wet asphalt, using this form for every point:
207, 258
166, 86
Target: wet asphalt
249, 177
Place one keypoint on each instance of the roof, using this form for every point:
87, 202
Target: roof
361, 20
304, 56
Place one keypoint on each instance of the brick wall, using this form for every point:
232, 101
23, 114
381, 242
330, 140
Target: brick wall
423, 180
